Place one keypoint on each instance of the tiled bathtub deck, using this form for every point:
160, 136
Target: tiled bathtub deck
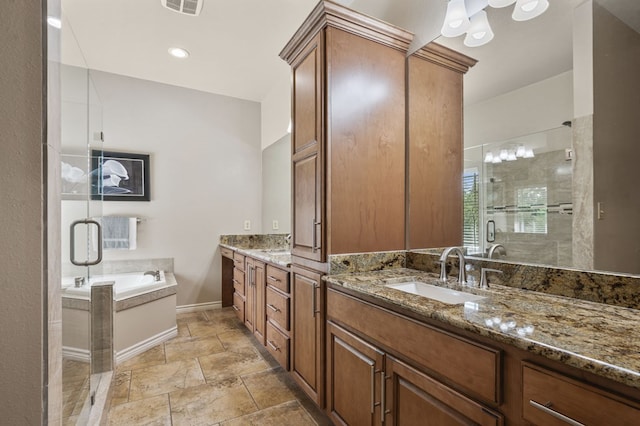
213, 373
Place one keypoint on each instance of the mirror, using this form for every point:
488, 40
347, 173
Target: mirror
526, 85
518, 199
276, 187
581, 212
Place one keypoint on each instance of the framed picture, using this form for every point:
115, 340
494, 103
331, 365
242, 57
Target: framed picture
119, 176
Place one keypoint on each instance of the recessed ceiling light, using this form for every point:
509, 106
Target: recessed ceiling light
54, 22
178, 52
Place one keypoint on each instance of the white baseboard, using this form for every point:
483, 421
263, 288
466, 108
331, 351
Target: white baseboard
183, 309
76, 354
146, 344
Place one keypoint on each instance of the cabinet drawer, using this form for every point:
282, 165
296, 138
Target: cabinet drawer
238, 306
278, 345
470, 365
238, 281
278, 308
549, 398
278, 278
238, 261
225, 252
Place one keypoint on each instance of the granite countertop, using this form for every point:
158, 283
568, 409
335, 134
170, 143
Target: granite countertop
277, 256
602, 339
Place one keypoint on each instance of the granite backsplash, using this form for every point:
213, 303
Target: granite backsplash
599, 287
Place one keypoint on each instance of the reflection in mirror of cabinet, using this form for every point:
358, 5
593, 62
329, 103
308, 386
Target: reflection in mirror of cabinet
435, 147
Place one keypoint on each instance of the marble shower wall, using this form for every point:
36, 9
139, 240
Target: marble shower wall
583, 244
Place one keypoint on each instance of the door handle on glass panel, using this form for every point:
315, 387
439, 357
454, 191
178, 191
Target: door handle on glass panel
547, 409
72, 246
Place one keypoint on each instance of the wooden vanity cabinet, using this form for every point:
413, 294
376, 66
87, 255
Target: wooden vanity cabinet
381, 382
255, 318
307, 332
550, 398
238, 280
348, 136
355, 370
278, 312
308, 152
414, 398
227, 276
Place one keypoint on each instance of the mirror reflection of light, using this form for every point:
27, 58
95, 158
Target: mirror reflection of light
471, 306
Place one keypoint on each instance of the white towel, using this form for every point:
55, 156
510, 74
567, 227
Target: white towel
119, 233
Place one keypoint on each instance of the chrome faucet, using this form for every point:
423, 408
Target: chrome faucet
462, 279
155, 274
484, 281
79, 281
496, 247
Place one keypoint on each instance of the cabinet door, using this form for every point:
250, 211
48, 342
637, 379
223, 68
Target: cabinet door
307, 152
250, 294
259, 287
552, 399
354, 379
413, 398
307, 333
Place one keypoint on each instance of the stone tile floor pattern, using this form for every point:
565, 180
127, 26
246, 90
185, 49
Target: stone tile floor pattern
213, 373
75, 389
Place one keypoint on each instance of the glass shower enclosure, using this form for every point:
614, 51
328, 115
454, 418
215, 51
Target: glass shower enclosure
81, 246
518, 198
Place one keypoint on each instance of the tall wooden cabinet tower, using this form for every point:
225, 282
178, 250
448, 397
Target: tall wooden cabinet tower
360, 145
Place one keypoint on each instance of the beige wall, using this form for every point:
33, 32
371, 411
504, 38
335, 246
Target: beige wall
25, 316
616, 150
206, 168
276, 109
538, 107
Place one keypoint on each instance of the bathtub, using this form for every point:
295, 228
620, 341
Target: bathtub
125, 285
144, 313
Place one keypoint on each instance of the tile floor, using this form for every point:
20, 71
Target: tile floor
75, 389
213, 373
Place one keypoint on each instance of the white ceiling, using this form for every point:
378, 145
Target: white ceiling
234, 44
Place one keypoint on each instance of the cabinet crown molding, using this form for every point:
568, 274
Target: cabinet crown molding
329, 14
438, 54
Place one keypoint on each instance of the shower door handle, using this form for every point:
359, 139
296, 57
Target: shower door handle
72, 255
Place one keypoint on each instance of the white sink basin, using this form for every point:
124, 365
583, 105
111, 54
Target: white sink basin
441, 294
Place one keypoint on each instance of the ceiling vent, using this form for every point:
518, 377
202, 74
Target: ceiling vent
186, 7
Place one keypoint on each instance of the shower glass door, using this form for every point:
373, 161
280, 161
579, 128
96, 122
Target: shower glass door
81, 245
518, 194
